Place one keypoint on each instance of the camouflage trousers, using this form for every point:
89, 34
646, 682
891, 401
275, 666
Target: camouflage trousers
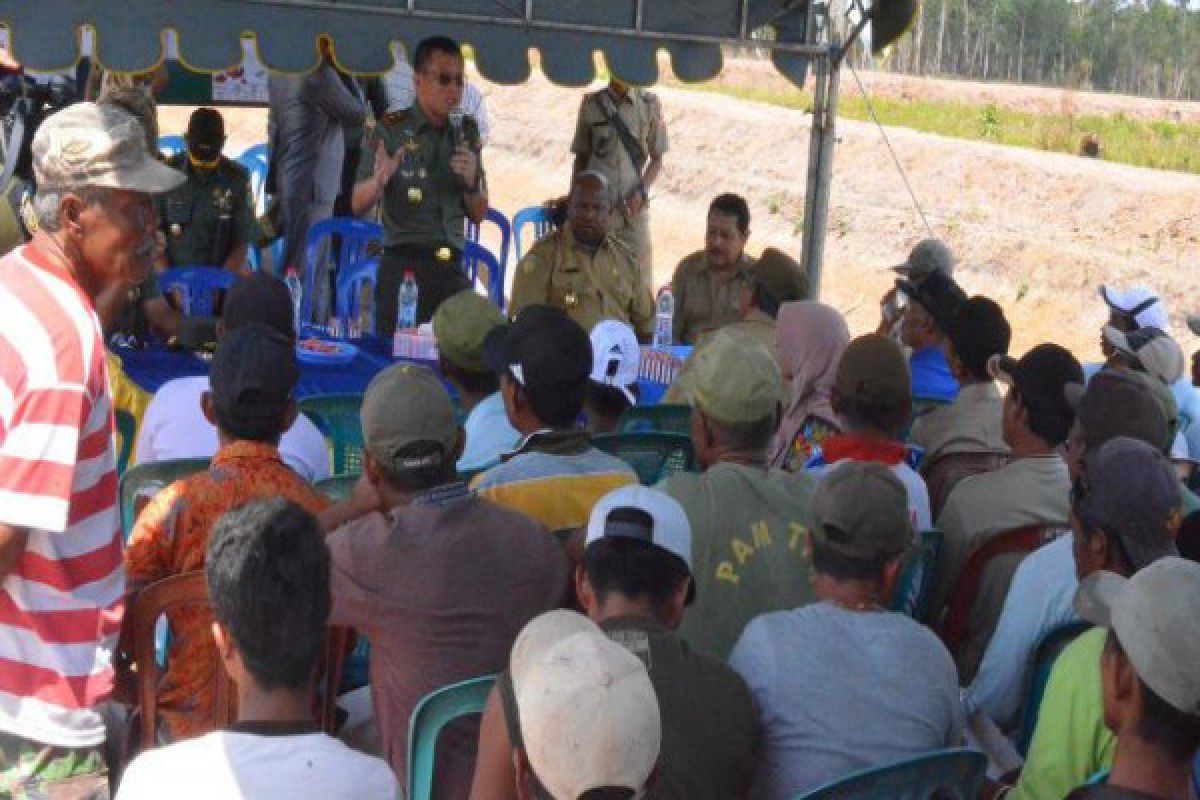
32, 770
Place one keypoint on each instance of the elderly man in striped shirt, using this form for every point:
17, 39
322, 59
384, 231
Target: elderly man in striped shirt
61, 574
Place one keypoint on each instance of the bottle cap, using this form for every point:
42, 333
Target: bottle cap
408, 273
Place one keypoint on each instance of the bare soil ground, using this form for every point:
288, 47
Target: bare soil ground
1036, 231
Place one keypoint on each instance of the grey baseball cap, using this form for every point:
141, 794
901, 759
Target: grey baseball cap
87, 144
860, 511
1130, 491
927, 257
1153, 615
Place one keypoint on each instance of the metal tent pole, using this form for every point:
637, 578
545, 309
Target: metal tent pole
820, 167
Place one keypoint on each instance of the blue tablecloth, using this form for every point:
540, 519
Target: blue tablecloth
152, 367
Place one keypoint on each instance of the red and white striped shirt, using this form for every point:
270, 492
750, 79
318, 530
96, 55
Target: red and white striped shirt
60, 608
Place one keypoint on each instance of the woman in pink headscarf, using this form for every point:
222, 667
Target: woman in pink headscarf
811, 338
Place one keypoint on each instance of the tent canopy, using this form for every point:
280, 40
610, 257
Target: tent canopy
566, 33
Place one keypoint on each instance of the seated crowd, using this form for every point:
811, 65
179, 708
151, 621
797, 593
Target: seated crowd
877, 538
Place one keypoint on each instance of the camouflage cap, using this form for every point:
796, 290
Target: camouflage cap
781, 276
736, 379
97, 145
461, 324
407, 419
927, 257
860, 511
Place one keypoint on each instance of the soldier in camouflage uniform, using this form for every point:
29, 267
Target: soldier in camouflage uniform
428, 171
620, 133
207, 220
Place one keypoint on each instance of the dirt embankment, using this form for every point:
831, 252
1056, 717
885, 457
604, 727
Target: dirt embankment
1036, 231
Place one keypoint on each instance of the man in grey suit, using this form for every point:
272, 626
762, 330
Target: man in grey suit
311, 117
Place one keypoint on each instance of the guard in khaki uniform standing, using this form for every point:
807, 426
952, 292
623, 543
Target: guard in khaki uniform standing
427, 167
207, 220
621, 134
583, 269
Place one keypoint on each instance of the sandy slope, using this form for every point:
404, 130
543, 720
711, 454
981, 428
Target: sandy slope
1037, 231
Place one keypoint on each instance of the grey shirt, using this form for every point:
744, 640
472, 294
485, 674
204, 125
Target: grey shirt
839, 691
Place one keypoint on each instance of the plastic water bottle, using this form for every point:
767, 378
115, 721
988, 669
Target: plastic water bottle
291, 279
366, 310
406, 302
664, 318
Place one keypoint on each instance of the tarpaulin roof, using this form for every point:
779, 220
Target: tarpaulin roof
566, 33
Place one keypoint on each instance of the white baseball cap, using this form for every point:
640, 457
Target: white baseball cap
1154, 617
588, 713
1140, 303
615, 356
667, 527
1159, 354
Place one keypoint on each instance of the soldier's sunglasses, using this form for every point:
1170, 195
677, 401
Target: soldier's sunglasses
445, 79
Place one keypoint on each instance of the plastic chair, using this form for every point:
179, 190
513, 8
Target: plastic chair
356, 237
336, 417
664, 418
476, 254
254, 159
497, 218
912, 591
1020, 541
171, 145
436, 710
954, 774
945, 472
653, 456
1037, 674
190, 590
198, 285
538, 217
338, 487
126, 432
350, 283
143, 481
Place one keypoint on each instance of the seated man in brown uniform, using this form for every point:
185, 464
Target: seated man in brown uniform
582, 269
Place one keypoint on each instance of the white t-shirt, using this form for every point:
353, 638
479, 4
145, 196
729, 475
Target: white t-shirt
232, 765
174, 427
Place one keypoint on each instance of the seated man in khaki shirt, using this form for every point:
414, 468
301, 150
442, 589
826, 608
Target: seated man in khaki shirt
582, 269
704, 285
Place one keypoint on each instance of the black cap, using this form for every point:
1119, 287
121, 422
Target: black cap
254, 373
938, 294
205, 133
978, 332
543, 348
1041, 377
259, 298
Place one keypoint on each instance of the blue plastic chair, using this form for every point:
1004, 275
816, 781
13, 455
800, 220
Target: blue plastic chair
538, 217
497, 218
912, 590
254, 159
436, 710
171, 145
350, 282
198, 285
957, 774
1041, 662
476, 254
355, 238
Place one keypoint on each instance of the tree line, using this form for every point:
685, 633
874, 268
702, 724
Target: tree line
1143, 47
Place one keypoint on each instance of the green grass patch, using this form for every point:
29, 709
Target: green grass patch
1158, 144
